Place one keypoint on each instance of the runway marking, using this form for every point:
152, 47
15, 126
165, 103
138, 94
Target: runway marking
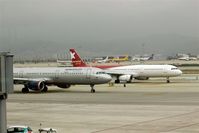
172, 123
183, 127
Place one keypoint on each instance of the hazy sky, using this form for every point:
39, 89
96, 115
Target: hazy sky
40, 28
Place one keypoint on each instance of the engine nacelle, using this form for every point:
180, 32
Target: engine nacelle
142, 78
64, 86
125, 78
36, 85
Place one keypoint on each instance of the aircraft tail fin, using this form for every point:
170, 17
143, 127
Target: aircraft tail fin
76, 59
151, 57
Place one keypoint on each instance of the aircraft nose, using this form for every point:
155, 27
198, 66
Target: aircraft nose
108, 78
178, 72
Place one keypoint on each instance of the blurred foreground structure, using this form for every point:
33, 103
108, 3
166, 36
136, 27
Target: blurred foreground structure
6, 86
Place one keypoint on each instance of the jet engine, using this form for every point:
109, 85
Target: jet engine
125, 78
36, 85
64, 86
142, 78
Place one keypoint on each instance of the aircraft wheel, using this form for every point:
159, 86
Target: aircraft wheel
92, 90
25, 90
117, 81
168, 81
45, 89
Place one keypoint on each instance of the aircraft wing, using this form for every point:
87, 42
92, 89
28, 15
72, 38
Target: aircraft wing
121, 72
25, 80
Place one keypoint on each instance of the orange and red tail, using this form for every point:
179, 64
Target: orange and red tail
76, 59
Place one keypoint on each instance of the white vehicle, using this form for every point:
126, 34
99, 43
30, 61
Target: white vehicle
47, 130
37, 79
19, 129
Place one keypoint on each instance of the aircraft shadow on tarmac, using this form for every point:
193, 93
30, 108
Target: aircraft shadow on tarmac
120, 86
61, 91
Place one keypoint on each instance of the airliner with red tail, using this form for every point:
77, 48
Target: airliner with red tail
124, 74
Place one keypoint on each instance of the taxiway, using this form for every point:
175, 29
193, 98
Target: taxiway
142, 107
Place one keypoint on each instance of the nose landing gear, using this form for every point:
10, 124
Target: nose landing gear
124, 85
168, 81
92, 88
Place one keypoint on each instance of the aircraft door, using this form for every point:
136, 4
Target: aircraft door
165, 72
88, 73
57, 73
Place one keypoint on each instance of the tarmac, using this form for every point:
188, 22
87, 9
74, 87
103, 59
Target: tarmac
152, 106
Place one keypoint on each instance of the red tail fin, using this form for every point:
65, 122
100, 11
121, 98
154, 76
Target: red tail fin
76, 59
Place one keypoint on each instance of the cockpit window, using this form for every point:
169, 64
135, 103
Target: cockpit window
100, 73
175, 68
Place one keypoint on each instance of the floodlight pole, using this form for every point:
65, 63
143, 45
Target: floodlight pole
6, 86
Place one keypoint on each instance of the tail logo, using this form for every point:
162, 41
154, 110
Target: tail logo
72, 55
76, 60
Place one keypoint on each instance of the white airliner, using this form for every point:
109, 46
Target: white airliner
127, 73
187, 58
143, 58
38, 79
103, 61
142, 72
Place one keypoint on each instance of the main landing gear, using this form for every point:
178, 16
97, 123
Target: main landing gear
168, 81
25, 89
92, 89
117, 81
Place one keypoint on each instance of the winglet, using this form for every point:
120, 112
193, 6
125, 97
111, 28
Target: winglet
76, 59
